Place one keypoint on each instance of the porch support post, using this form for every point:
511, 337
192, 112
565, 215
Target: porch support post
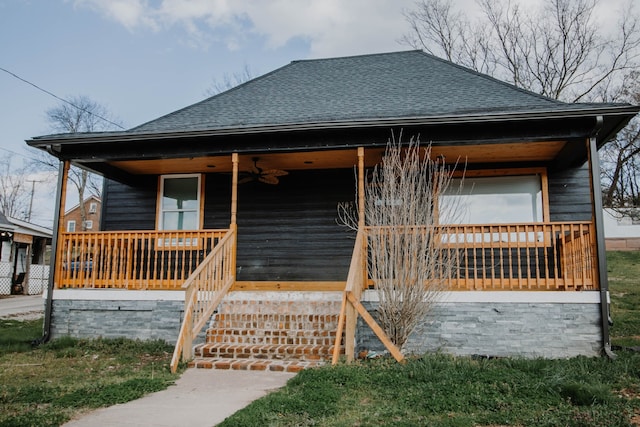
234, 214
58, 227
360, 187
234, 190
601, 254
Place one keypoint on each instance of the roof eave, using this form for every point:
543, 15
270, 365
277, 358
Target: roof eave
112, 137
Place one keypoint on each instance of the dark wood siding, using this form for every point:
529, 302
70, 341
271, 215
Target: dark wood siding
569, 195
289, 231
130, 207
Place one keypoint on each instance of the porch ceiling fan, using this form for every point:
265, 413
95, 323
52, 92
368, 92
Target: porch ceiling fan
269, 176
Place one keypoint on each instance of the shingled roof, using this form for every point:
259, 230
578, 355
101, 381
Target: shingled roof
368, 87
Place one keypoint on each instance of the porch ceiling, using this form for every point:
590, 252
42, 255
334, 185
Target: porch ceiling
336, 159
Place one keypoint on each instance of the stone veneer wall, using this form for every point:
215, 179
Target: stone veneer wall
502, 328
144, 320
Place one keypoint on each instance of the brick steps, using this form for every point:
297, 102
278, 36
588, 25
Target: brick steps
253, 364
269, 335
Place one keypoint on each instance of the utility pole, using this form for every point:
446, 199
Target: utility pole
33, 188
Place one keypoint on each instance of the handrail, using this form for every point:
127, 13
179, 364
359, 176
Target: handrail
204, 290
351, 307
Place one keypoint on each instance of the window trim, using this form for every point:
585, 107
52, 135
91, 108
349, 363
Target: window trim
93, 207
160, 192
71, 221
88, 224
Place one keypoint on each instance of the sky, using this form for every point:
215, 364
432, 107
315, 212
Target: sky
142, 59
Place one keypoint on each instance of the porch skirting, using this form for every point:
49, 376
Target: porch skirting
521, 324
509, 323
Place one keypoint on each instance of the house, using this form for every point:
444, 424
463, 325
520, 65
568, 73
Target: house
92, 208
228, 208
622, 229
24, 256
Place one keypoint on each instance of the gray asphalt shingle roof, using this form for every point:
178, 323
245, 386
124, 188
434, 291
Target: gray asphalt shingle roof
368, 87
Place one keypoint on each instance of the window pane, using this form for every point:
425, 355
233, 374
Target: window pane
180, 220
496, 200
180, 193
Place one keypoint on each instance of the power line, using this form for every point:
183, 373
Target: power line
59, 98
15, 153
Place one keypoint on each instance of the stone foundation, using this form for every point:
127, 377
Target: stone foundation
565, 326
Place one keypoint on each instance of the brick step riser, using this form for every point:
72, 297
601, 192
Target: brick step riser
229, 324
267, 340
309, 353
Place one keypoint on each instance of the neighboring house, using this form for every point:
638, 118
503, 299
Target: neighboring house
73, 218
24, 256
622, 231
199, 198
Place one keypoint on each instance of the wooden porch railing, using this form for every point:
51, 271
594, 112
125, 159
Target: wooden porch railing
132, 259
204, 289
542, 256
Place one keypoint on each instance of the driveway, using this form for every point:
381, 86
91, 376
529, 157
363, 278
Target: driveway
21, 307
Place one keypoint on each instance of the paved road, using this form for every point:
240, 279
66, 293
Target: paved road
22, 307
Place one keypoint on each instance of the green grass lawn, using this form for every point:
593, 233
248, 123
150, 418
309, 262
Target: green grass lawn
47, 385
624, 287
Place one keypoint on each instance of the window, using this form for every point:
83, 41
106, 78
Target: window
88, 224
93, 207
71, 226
179, 202
494, 200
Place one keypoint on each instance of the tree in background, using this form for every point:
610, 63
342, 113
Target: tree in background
14, 194
620, 163
409, 257
79, 114
230, 81
562, 51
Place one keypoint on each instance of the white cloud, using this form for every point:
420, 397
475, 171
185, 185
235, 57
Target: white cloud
130, 13
330, 26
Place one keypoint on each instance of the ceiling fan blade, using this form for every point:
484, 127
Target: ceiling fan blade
245, 180
275, 172
268, 179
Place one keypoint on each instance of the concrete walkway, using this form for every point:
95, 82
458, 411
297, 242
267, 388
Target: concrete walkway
200, 398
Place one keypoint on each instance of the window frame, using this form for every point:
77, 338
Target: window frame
199, 192
69, 226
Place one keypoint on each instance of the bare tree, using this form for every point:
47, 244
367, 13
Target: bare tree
14, 192
230, 81
620, 172
409, 258
79, 114
560, 51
